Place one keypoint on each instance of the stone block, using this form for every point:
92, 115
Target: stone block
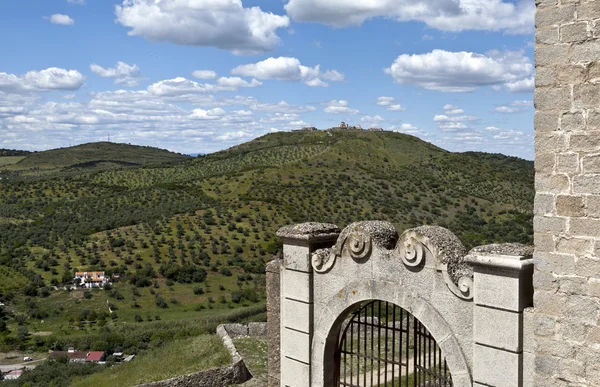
548, 16
528, 329
546, 76
555, 184
494, 367
567, 163
296, 285
587, 267
588, 11
543, 204
257, 329
585, 227
552, 142
549, 303
586, 96
546, 121
591, 164
497, 289
294, 373
585, 52
594, 72
567, 205
295, 345
592, 206
528, 369
575, 32
544, 162
546, 36
560, 264
576, 246
551, 225
582, 310
593, 287
550, 98
498, 328
572, 285
586, 184
296, 315
544, 281
585, 142
572, 121
297, 257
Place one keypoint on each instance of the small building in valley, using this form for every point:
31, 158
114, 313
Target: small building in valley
90, 279
13, 375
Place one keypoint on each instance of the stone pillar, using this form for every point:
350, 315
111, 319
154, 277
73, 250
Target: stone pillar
299, 242
273, 321
502, 282
567, 204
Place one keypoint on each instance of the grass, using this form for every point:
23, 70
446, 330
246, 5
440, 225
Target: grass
10, 160
254, 352
184, 357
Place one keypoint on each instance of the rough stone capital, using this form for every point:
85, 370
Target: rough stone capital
504, 256
310, 232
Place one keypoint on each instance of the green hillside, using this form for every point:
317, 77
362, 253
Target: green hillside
99, 154
189, 240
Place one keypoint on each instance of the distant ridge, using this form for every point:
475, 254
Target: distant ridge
13, 152
100, 154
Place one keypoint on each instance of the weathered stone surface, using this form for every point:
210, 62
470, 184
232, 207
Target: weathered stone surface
585, 52
545, 17
273, 321
555, 184
567, 163
516, 249
588, 142
591, 164
585, 96
575, 32
309, 230
567, 205
586, 184
546, 122
571, 121
592, 206
550, 98
544, 204
547, 35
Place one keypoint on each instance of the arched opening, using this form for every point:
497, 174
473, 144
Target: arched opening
383, 344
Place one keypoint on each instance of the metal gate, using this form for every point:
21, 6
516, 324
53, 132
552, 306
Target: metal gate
384, 345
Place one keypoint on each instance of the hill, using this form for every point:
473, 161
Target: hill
99, 154
13, 152
189, 240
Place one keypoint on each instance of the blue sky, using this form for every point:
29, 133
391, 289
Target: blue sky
197, 76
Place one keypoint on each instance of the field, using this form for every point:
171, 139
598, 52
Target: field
186, 242
10, 160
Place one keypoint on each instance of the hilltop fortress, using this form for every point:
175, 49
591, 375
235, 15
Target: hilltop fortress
342, 126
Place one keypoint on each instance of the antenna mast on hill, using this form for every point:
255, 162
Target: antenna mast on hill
108, 137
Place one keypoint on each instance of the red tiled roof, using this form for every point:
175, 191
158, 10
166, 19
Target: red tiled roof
95, 356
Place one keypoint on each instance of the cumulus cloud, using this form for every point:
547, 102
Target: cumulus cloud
52, 78
462, 71
236, 82
212, 114
522, 103
408, 129
224, 24
204, 74
59, 18
508, 109
388, 102
122, 73
451, 123
372, 121
288, 69
446, 15
451, 109
80, 2
509, 135
521, 86
278, 107
339, 107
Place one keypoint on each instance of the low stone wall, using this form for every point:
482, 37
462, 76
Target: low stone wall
236, 373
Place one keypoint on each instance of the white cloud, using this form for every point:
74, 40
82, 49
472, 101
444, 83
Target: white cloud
492, 128
452, 126
521, 86
409, 129
508, 109
445, 118
223, 24
385, 101
339, 107
52, 78
122, 73
522, 103
446, 15
236, 82
288, 69
61, 19
212, 114
204, 74
462, 71
239, 135
374, 121
451, 109
278, 107
509, 135
80, 2
388, 102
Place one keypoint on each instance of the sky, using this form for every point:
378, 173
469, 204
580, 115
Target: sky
198, 76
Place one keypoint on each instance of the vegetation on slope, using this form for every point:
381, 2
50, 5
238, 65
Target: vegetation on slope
190, 240
92, 154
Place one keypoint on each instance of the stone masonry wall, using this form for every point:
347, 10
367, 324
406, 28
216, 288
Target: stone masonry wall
567, 204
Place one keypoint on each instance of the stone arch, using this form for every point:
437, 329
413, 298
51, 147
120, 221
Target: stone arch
335, 313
